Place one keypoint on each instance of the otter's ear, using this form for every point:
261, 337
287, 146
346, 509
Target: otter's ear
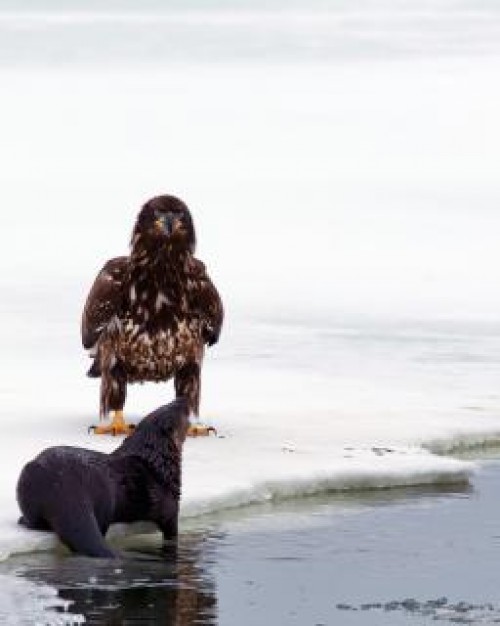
166, 430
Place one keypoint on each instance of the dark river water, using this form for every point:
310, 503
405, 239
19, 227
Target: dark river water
416, 556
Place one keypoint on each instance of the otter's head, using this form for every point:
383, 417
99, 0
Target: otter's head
157, 442
169, 422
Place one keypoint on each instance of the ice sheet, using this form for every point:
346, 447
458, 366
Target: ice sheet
346, 202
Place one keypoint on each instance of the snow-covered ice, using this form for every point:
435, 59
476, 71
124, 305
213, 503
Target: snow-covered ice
346, 203
371, 414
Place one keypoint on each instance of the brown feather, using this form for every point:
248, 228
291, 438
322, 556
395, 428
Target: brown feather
104, 300
150, 315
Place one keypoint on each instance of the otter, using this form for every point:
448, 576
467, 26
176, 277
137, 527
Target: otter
78, 493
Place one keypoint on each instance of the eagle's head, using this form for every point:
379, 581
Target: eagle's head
165, 222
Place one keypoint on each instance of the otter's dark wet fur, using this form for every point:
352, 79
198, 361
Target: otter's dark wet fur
78, 493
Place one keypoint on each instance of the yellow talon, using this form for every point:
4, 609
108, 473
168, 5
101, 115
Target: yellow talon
200, 430
118, 426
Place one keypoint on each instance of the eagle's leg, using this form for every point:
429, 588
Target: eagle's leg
113, 394
187, 385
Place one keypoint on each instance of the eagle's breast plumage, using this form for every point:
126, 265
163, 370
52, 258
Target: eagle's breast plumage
159, 330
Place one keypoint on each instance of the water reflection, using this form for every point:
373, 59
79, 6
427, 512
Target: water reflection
150, 586
271, 563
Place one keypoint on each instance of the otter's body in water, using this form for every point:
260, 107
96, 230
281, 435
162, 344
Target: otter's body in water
78, 493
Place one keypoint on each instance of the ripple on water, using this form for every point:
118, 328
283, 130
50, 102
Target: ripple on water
439, 609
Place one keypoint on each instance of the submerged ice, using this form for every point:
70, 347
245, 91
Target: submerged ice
23, 603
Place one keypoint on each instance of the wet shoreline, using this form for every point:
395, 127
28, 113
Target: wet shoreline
416, 555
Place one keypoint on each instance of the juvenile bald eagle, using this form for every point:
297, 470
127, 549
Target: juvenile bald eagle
149, 315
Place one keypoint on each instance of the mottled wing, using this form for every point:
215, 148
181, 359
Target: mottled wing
105, 299
207, 303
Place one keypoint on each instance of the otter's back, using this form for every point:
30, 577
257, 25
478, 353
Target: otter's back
63, 476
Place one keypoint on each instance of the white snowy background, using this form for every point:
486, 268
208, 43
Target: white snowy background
341, 163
